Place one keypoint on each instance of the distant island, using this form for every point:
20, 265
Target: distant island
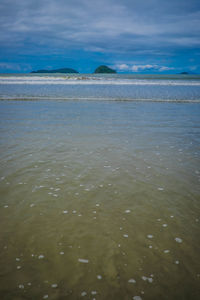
63, 70
104, 69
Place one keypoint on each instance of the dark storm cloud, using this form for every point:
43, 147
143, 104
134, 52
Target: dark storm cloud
151, 28
106, 25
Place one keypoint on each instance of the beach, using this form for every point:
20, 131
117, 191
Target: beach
99, 187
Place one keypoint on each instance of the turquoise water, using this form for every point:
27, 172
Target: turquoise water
98, 199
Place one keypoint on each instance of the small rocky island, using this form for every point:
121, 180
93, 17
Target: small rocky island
104, 69
63, 70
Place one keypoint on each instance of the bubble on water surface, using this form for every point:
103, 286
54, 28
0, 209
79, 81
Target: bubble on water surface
82, 260
21, 286
160, 189
5, 206
164, 225
41, 256
137, 298
54, 285
19, 267
83, 294
99, 277
127, 211
178, 240
65, 211
149, 279
166, 251
45, 296
62, 253
177, 262
132, 280
150, 236
125, 235
93, 292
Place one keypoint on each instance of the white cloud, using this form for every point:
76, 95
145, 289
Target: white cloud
139, 68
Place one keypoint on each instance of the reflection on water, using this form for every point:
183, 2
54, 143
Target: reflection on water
99, 200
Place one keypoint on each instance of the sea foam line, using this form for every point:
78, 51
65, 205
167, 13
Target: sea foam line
55, 98
94, 81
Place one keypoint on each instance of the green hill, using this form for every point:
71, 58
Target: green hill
104, 69
63, 70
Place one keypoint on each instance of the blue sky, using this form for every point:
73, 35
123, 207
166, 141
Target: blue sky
132, 36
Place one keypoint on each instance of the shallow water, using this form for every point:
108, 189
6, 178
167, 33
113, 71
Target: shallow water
99, 200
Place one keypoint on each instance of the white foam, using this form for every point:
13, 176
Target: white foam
125, 235
93, 292
132, 280
127, 211
177, 262
149, 279
166, 251
99, 277
178, 240
82, 80
21, 286
137, 298
41, 256
54, 285
82, 260
160, 189
45, 296
150, 236
83, 294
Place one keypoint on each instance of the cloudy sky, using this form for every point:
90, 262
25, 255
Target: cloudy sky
140, 36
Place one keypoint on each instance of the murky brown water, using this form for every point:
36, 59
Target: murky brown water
99, 200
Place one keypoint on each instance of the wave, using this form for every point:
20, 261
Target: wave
47, 98
82, 80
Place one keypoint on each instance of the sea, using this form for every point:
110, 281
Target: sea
99, 187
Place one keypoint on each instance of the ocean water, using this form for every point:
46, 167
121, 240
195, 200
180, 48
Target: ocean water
99, 199
100, 87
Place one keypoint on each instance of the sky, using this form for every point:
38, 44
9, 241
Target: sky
131, 36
